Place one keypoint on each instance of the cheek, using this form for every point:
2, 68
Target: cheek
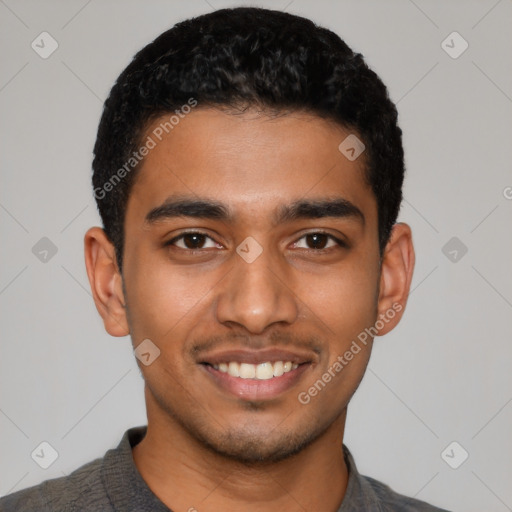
163, 300
345, 306
344, 300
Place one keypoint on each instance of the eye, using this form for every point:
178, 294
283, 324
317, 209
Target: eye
193, 241
318, 241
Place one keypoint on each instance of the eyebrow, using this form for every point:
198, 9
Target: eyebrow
214, 210
188, 207
320, 208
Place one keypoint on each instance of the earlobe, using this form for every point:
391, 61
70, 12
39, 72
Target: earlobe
396, 275
106, 281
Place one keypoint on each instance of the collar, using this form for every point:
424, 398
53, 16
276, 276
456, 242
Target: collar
128, 491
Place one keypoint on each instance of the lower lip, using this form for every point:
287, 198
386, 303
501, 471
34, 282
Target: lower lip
256, 389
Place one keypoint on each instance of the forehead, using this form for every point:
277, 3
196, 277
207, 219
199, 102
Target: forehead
251, 162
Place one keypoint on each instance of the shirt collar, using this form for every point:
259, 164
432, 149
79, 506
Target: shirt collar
128, 491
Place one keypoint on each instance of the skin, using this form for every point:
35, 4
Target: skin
205, 447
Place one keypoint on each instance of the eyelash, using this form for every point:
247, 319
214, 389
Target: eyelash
331, 237
184, 234
340, 243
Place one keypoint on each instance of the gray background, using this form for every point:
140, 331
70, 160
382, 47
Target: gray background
443, 375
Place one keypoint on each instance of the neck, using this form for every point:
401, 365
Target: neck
186, 475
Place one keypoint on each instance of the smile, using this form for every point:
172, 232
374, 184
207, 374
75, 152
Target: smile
257, 374
262, 371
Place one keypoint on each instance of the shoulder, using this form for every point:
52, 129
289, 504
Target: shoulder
366, 493
82, 490
390, 501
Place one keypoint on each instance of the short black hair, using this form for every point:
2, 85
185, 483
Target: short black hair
242, 58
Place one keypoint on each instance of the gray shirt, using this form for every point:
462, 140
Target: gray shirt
113, 484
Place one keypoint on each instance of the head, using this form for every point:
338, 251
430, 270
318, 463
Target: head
241, 224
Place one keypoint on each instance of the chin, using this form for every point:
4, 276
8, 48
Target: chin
250, 448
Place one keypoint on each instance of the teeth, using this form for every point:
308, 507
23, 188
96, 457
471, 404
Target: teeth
247, 371
234, 369
263, 371
278, 369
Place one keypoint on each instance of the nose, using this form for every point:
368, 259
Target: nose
256, 295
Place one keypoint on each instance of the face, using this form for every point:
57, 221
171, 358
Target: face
251, 261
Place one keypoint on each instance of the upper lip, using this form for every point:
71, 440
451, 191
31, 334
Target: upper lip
256, 356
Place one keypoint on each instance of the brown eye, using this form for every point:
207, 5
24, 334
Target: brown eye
194, 241
317, 240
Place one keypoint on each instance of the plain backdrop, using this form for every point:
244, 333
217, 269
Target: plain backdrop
443, 376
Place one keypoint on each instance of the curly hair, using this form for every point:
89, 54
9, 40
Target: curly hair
247, 57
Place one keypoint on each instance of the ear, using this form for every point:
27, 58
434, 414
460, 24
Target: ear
395, 279
106, 281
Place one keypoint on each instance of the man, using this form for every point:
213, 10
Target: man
248, 172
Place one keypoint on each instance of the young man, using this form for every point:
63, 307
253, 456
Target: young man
248, 172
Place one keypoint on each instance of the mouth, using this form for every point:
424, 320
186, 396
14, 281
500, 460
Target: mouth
262, 371
256, 375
